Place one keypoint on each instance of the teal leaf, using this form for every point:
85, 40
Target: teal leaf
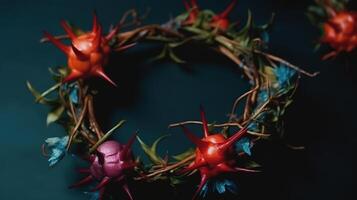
244, 145
57, 147
219, 186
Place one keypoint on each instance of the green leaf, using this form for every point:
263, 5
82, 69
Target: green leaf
106, 135
184, 155
175, 181
174, 57
55, 114
35, 93
59, 72
162, 54
150, 151
252, 165
244, 32
41, 97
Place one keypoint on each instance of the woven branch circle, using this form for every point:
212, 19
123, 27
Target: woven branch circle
223, 149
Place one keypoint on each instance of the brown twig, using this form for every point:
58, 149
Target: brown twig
169, 168
78, 124
236, 102
236, 60
282, 61
92, 119
220, 125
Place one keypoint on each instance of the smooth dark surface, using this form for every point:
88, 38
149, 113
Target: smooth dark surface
152, 95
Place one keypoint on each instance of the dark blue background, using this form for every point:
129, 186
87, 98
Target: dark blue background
150, 96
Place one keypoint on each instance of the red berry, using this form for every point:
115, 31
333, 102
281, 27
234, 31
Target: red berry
88, 53
340, 32
215, 154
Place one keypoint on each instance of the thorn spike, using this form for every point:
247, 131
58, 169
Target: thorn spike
204, 122
227, 168
101, 74
82, 182
229, 142
97, 38
197, 141
57, 43
228, 10
238, 169
204, 179
68, 30
95, 22
103, 183
125, 47
126, 189
129, 144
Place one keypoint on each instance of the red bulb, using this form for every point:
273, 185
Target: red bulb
215, 154
88, 53
340, 32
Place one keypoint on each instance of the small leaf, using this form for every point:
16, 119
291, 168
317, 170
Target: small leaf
57, 147
162, 54
55, 114
151, 151
174, 181
174, 57
252, 165
244, 145
245, 30
184, 155
39, 98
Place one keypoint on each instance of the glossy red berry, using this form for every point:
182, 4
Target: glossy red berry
111, 163
87, 54
340, 32
215, 154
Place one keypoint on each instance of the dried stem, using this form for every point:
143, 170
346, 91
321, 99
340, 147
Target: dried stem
282, 61
78, 124
220, 125
236, 102
106, 136
170, 167
92, 119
